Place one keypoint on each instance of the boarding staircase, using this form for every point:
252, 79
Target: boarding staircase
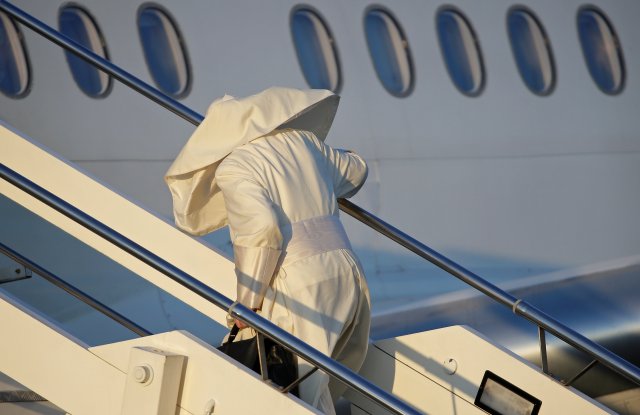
452, 370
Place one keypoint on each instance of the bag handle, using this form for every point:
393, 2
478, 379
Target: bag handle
232, 336
234, 332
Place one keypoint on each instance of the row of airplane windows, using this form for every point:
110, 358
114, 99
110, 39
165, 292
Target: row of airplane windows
167, 59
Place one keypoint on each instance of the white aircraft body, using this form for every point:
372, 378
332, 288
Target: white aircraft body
529, 179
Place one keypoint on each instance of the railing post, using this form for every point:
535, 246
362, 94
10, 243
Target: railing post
543, 350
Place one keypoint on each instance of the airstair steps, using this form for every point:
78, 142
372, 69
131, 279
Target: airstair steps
442, 372
101, 380
401, 350
15, 399
187, 374
20, 396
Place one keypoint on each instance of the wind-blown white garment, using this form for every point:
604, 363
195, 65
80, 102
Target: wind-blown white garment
260, 165
198, 206
293, 258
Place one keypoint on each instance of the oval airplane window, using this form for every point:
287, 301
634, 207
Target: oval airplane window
14, 64
77, 24
164, 51
389, 50
601, 50
531, 50
316, 49
461, 51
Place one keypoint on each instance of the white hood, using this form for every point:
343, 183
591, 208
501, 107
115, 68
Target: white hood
198, 205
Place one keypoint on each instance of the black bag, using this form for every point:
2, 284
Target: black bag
281, 364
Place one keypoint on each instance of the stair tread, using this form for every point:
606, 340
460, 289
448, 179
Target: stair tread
20, 396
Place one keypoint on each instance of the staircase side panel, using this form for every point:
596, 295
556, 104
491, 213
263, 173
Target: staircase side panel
434, 355
209, 376
107, 206
56, 366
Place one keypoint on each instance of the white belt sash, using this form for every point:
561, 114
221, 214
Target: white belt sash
255, 266
313, 236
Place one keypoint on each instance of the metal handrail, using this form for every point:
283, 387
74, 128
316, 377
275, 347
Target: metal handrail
519, 306
259, 323
79, 294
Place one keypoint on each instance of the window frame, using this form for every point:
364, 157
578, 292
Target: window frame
181, 41
476, 41
547, 44
617, 45
406, 49
109, 87
334, 44
23, 45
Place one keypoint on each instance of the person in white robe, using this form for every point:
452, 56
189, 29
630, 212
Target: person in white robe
260, 165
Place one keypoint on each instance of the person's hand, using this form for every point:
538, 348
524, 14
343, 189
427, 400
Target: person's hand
241, 324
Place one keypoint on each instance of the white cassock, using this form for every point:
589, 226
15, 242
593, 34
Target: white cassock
293, 258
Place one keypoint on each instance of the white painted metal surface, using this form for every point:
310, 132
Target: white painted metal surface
502, 182
154, 378
209, 376
509, 179
121, 215
57, 367
94, 381
418, 368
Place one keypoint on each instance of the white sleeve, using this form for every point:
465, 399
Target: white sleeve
349, 170
256, 237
